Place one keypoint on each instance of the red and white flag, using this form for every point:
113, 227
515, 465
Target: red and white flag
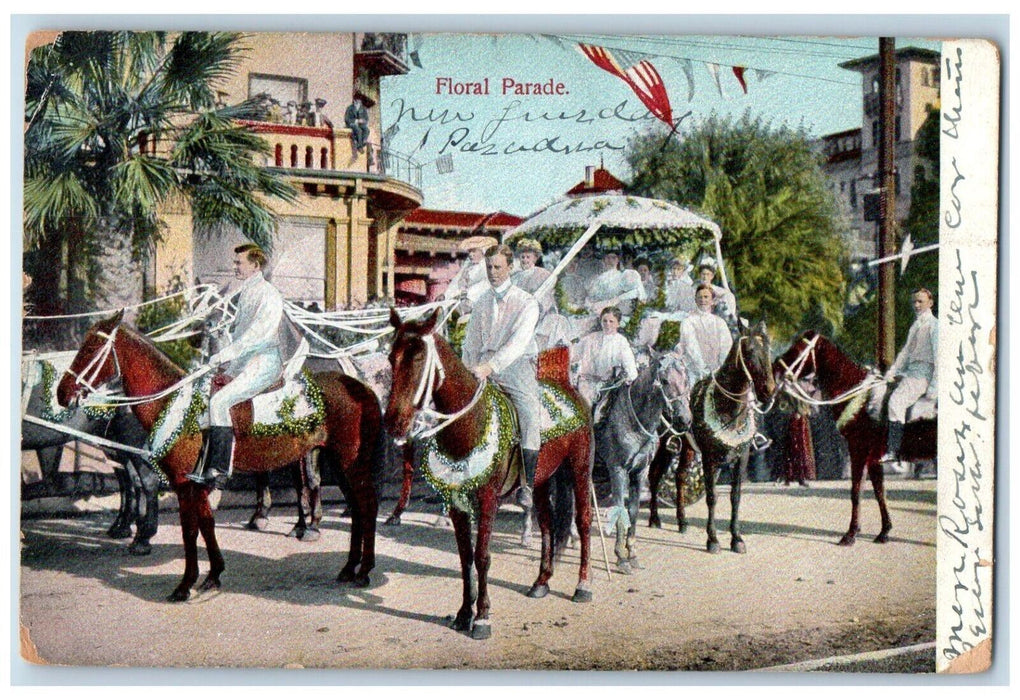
638, 73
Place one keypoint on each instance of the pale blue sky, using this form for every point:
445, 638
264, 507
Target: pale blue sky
807, 88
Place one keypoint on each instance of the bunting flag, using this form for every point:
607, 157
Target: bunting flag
638, 73
416, 42
390, 133
688, 69
739, 72
713, 70
761, 74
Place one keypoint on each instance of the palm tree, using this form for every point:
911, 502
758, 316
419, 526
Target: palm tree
117, 126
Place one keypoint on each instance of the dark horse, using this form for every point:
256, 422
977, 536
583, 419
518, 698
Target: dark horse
424, 364
837, 376
351, 432
723, 407
137, 480
628, 437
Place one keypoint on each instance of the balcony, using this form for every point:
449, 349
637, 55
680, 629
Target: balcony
330, 150
382, 53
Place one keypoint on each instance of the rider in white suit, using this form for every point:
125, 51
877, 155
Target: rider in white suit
253, 359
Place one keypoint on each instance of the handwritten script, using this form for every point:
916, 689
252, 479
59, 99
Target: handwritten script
963, 518
513, 129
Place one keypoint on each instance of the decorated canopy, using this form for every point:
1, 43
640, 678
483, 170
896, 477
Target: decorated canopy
626, 222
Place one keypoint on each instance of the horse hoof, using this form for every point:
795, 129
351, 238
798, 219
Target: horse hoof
461, 623
882, 538
847, 541
393, 520
624, 567
360, 581
210, 584
712, 547
538, 591
633, 561
298, 532
581, 595
481, 630
179, 595
655, 522
140, 549
682, 527
119, 532
310, 535
259, 524
345, 576
738, 546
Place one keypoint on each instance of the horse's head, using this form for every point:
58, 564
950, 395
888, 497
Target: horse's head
757, 359
409, 359
94, 365
671, 377
799, 361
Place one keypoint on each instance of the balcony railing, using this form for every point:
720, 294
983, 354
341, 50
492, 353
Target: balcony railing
331, 149
384, 53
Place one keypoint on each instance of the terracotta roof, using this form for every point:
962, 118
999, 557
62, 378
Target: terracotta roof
459, 219
602, 181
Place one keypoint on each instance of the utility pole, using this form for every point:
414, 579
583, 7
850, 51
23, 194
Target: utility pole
886, 349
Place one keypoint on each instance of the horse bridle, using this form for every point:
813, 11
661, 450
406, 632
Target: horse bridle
793, 370
90, 372
435, 374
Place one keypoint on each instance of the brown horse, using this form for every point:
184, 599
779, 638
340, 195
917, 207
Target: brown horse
350, 432
723, 406
839, 377
424, 364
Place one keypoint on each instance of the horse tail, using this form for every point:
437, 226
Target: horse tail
562, 497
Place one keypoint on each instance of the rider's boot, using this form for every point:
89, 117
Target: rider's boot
214, 459
893, 442
524, 493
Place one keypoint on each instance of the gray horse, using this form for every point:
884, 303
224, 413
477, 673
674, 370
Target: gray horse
627, 437
138, 481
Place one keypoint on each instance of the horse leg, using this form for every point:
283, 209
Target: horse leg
633, 507
655, 472
147, 515
618, 480
365, 503
207, 526
857, 462
488, 504
581, 468
297, 479
311, 494
739, 470
708, 463
189, 533
346, 574
540, 588
462, 531
263, 502
121, 526
405, 487
877, 476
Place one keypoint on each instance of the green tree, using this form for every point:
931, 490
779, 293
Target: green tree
922, 223
764, 187
118, 125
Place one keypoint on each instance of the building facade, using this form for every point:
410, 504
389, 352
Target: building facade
335, 244
851, 157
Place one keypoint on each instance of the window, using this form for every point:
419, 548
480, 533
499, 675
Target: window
874, 133
853, 194
896, 128
281, 88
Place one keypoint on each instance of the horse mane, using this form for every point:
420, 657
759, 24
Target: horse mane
835, 370
162, 362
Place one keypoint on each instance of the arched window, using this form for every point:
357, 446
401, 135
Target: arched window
308, 157
293, 155
278, 155
324, 158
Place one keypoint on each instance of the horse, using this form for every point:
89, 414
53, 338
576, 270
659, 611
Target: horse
846, 385
723, 426
627, 438
479, 420
138, 482
350, 431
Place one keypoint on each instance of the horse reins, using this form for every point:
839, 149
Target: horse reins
435, 373
793, 370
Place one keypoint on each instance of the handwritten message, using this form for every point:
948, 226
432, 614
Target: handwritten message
967, 377
512, 128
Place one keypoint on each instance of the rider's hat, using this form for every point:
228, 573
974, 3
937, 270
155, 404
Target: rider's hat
476, 242
529, 244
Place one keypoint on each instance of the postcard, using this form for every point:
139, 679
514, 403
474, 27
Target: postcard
555, 351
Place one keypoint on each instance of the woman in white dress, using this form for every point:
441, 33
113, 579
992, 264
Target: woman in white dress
553, 329
600, 356
615, 287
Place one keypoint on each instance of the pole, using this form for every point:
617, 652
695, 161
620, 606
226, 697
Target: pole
567, 257
598, 526
886, 348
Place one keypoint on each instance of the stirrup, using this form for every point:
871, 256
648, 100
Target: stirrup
524, 497
760, 443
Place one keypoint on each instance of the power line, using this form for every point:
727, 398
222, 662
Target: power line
723, 46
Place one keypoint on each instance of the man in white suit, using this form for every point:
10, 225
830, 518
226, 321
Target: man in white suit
500, 344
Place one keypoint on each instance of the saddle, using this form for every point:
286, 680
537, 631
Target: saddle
921, 410
242, 415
